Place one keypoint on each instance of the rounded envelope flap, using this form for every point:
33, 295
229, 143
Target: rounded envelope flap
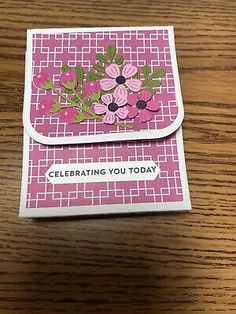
99, 85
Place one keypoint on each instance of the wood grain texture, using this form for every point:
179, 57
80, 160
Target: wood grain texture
170, 263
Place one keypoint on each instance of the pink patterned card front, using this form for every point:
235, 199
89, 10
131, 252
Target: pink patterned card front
102, 117
102, 85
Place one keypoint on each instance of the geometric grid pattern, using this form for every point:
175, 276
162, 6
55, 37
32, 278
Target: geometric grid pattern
139, 47
167, 187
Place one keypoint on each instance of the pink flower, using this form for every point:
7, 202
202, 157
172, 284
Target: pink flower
91, 87
49, 107
92, 90
43, 80
112, 106
45, 107
69, 114
142, 105
120, 79
69, 79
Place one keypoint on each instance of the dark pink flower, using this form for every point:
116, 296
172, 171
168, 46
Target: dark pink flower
69, 79
46, 107
43, 80
142, 105
90, 88
113, 105
69, 114
121, 80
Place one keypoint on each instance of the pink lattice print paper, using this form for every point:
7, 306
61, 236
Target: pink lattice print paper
96, 85
102, 117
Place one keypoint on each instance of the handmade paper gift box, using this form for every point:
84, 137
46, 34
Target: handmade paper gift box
102, 123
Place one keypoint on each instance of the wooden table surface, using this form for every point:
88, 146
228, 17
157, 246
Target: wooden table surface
172, 263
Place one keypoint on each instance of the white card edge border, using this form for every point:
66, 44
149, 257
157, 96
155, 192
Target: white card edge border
137, 135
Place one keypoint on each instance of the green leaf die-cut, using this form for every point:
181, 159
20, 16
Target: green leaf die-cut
100, 57
80, 74
146, 83
119, 60
158, 73
79, 117
111, 51
92, 76
65, 68
89, 102
155, 83
146, 70
99, 68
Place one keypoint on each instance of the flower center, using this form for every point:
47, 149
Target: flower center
120, 79
112, 107
141, 104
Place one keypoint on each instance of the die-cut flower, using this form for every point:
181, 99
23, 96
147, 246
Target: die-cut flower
113, 105
45, 107
69, 79
43, 80
92, 89
49, 107
142, 105
69, 115
121, 79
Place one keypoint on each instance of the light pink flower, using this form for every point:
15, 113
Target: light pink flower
69, 114
69, 79
46, 107
121, 80
112, 106
43, 80
142, 105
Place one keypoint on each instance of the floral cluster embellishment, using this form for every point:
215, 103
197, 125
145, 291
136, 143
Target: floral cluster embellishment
112, 92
